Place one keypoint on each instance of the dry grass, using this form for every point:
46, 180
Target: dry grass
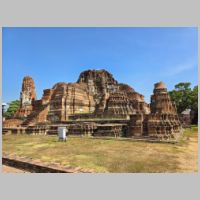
109, 155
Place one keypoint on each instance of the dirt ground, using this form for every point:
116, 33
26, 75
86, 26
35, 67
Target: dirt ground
7, 169
188, 162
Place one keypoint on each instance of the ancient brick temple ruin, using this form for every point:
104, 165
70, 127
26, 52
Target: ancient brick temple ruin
27, 96
96, 105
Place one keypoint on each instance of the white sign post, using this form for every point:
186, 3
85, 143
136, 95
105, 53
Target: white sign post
62, 133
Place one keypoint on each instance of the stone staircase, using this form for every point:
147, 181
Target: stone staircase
100, 108
33, 117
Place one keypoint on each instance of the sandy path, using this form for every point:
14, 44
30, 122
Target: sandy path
8, 169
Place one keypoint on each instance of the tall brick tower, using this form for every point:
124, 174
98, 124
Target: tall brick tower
163, 121
160, 100
27, 94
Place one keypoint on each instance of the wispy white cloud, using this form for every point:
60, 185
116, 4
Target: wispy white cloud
180, 68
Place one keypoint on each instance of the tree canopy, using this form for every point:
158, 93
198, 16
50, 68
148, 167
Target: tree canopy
13, 106
186, 98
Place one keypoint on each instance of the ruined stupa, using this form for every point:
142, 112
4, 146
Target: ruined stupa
97, 105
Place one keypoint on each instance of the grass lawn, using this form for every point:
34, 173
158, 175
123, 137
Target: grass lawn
104, 155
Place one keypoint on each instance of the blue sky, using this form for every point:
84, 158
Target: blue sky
139, 57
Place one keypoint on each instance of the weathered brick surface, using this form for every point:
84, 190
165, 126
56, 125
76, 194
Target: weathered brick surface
12, 123
97, 95
162, 122
27, 96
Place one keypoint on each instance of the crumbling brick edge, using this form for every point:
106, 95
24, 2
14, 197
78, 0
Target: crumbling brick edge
36, 166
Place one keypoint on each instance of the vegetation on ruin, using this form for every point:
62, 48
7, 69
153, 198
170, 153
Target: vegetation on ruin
109, 155
186, 98
13, 106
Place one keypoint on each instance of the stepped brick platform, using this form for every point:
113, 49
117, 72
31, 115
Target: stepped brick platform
96, 105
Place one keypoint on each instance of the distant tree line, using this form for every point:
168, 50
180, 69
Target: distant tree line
186, 98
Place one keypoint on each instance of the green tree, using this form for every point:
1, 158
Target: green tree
186, 98
194, 106
13, 106
183, 86
181, 95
